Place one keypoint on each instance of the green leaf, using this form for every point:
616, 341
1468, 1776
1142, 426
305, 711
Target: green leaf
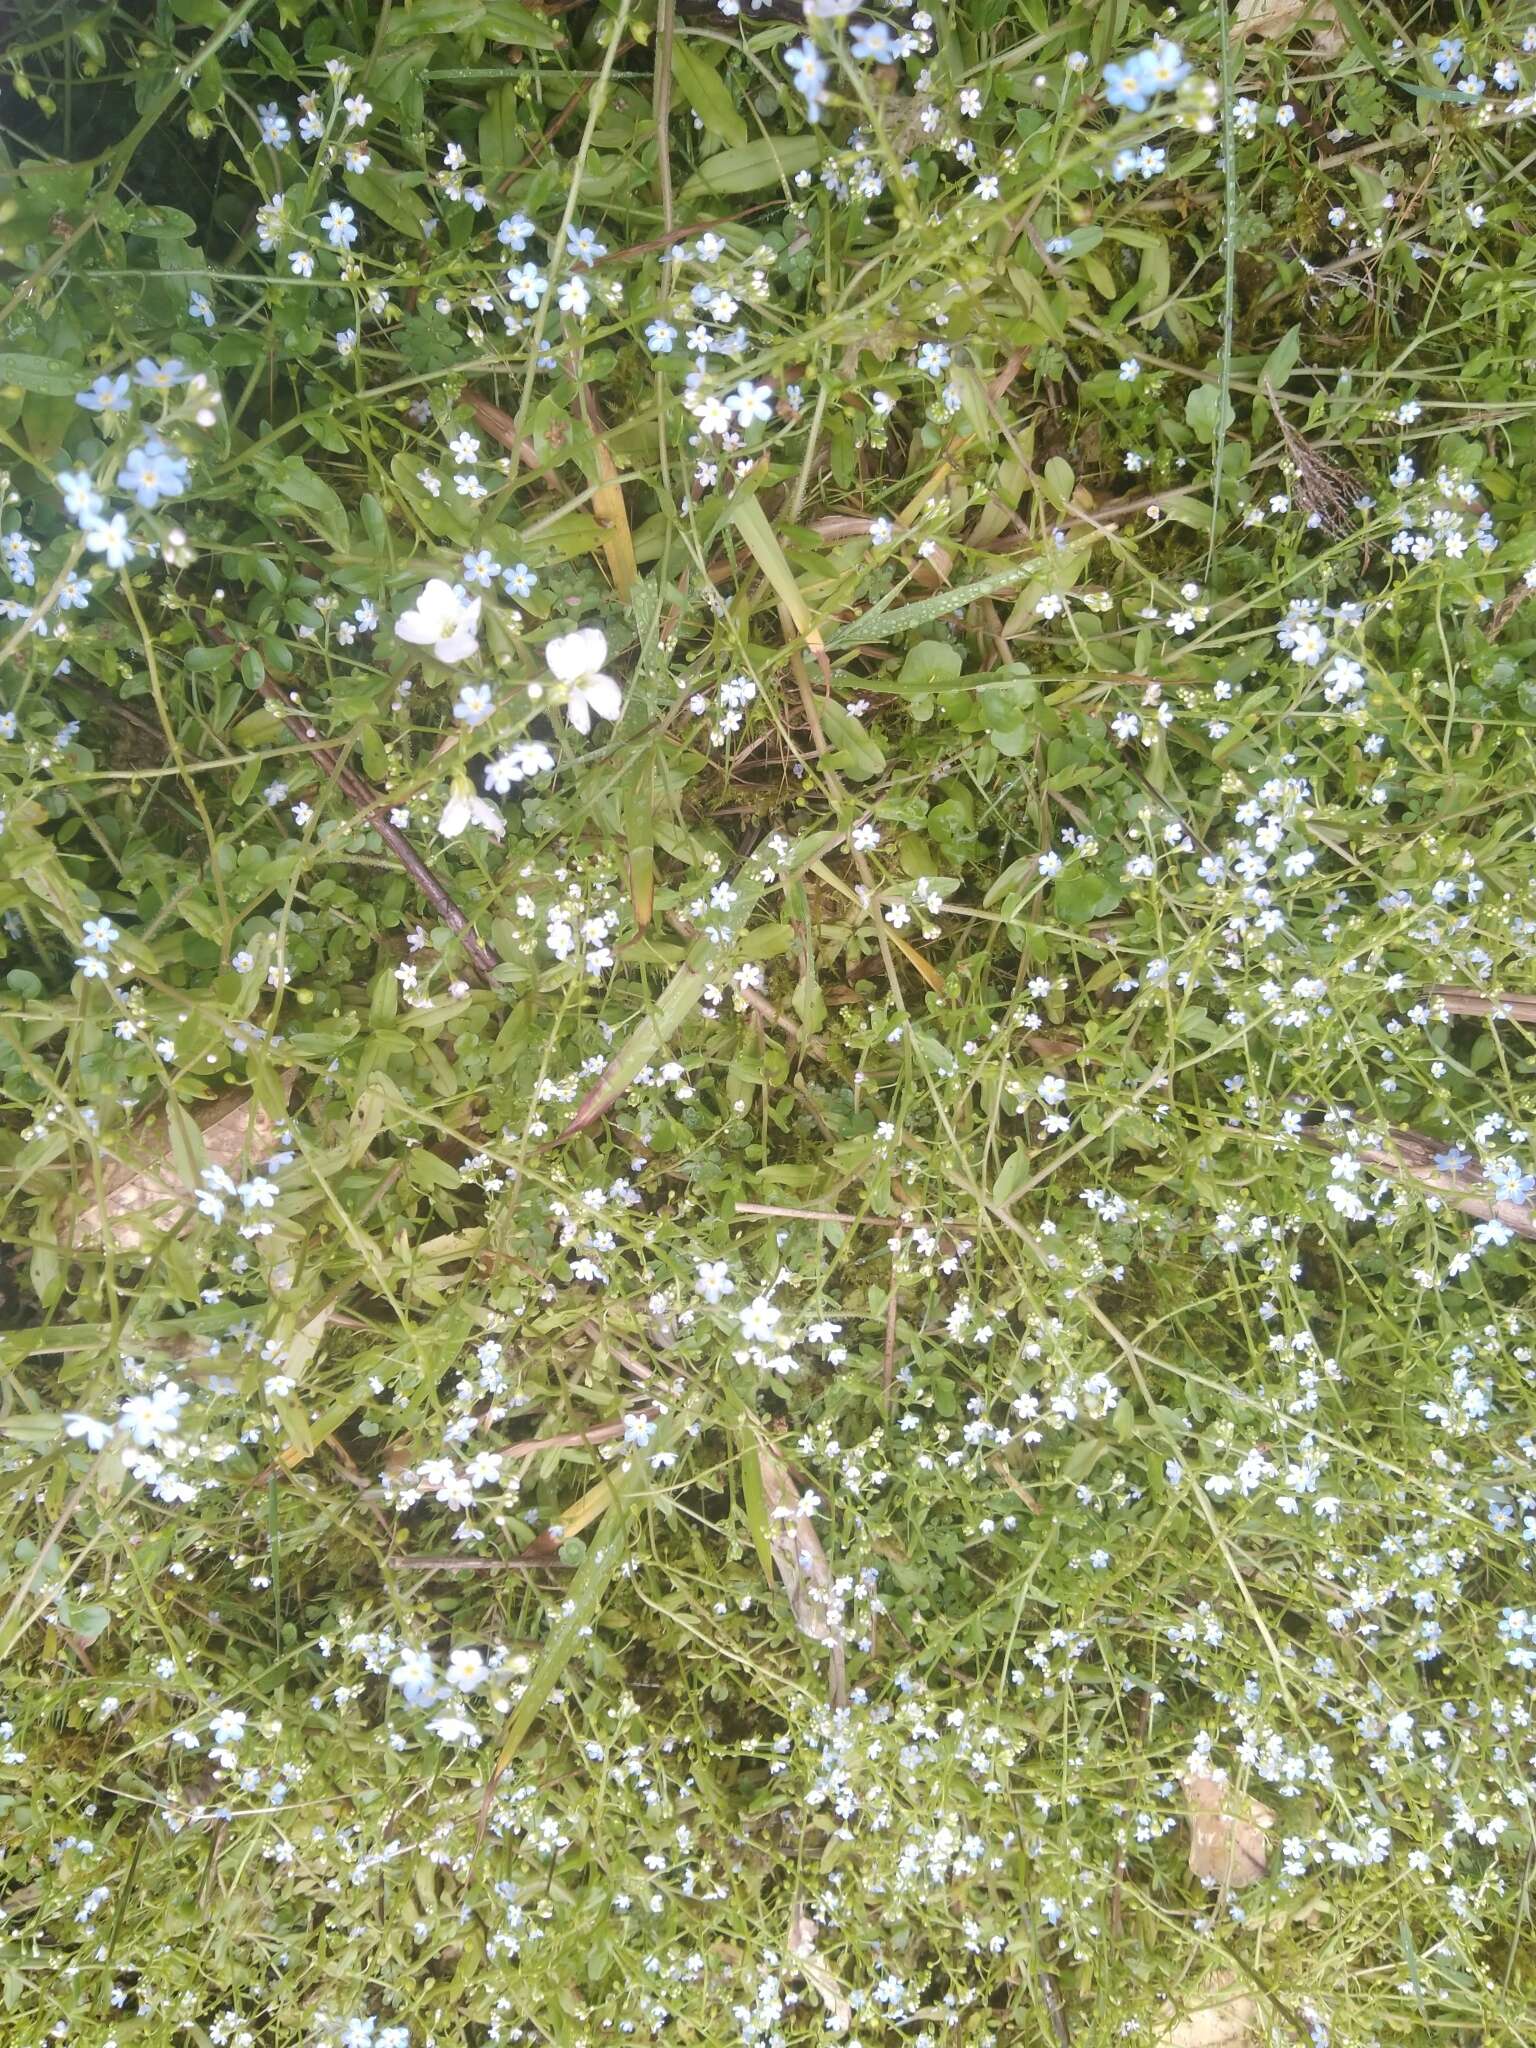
393, 196
42, 373
881, 623
677, 1001
1080, 895
1059, 480
294, 484
1203, 408
1014, 1173
1282, 359
430, 18
859, 754
772, 160
701, 89
751, 522
930, 664
161, 223
501, 133
84, 1619
504, 21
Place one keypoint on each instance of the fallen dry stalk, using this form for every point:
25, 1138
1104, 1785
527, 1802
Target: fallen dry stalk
1408, 1154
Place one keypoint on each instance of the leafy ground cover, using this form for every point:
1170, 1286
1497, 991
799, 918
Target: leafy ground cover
766, 1039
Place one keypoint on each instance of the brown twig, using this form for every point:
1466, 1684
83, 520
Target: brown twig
1407, 1154
888, 1357
1472, 1002
470, 1564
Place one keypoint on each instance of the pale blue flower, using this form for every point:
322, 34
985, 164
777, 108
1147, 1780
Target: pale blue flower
107, 394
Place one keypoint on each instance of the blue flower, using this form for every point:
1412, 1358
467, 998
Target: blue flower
152, 472
153, 376
872, 42
474, 704
107, 394
1132, 85
1124, 86
810, 72
1163, 66
1508, 1184
338, 223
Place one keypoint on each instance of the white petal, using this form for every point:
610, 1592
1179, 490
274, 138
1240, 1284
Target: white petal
456, 646
576, 711
420, 631
576, 654
604, 695
487, 815
455, 817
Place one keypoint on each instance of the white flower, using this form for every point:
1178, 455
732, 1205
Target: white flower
465, 1669
445, 618
527, 758
714, 1281
97, 1435
455, 1728
415, 1678
465, 808
575, 659
228, 1725
759, 1320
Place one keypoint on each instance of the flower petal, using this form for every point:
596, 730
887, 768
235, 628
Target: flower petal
570, 655
604, 695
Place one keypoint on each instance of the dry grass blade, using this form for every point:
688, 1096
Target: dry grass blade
1506, 608
1228, 1844
153, 1188
801, 1564
1229, 2019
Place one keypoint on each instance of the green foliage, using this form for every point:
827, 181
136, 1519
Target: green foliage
766, 1041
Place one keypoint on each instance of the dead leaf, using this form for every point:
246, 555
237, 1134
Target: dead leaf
819, 1975
608, 505
801, 1564
147, 1190
1227, 1842
570, 1523
1227, 2019
1272, 19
